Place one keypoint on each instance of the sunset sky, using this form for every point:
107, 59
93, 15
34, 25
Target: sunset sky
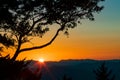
99, 39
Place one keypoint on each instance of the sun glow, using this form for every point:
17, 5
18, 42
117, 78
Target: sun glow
41, 60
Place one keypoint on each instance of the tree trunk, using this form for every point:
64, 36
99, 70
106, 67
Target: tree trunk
15, 55
18, 49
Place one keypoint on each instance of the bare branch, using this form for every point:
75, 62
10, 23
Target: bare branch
42, 46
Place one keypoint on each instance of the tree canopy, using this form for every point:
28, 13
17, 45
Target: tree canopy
21, 19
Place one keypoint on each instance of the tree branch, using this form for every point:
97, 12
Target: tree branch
42, 46
34, 23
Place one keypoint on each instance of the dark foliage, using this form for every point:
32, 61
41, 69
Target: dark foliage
103, 73
22, 19
7, 41
9, 70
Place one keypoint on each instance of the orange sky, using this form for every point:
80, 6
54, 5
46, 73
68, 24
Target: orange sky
85, 41
99, 39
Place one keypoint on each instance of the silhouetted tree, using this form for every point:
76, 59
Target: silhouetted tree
22, 19
103, 73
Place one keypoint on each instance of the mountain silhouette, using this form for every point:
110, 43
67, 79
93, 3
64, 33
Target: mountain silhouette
77, 69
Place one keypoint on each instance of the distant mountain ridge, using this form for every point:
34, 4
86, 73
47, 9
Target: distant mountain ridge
78, 69
72, 60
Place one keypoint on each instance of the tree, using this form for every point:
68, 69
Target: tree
22, 19
103, 73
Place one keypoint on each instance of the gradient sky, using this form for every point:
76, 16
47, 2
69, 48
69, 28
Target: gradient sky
99, 39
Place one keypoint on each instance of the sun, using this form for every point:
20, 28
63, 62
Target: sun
41, 60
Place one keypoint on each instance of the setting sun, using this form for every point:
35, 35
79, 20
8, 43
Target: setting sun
41, 60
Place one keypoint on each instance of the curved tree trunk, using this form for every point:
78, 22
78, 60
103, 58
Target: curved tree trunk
18, 49
16, 54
